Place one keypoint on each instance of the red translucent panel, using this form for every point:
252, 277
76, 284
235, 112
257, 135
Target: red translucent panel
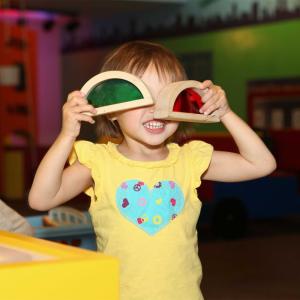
188, 101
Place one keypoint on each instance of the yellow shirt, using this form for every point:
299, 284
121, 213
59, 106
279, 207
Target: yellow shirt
145, 213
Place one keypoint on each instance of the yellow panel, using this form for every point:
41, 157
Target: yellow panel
13, 174
60, 272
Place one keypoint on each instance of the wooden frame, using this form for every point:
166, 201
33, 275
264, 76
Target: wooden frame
94, 81
164, 109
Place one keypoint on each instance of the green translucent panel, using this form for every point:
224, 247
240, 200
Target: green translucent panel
113, 91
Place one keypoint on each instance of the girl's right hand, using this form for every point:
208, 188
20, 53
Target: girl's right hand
75, 110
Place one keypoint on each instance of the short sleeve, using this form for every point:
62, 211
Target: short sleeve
200, 157
85, 153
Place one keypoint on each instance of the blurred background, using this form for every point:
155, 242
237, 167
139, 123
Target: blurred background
249, 232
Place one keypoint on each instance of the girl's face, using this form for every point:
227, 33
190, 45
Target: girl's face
139, 124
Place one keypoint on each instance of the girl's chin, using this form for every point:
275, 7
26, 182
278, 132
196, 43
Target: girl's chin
154, 142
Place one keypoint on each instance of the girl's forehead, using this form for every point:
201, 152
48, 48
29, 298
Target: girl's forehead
154, 68
154, 77
158, 72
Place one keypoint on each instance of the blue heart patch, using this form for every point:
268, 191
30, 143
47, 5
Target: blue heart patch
150, 209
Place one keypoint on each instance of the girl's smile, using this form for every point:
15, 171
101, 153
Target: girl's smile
154, 126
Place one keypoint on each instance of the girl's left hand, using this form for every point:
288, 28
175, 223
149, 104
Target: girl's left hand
214, 99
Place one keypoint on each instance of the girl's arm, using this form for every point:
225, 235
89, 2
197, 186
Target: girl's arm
53, 184
253, 160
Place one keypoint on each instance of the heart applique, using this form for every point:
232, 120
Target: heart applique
150, 209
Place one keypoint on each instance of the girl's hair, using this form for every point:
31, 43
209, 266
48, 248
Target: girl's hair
135, 57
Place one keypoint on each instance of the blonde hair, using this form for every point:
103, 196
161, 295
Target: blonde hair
135, 57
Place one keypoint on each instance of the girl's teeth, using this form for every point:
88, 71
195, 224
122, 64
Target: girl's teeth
154, 125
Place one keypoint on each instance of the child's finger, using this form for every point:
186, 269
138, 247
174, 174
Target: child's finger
74, 94
84, 117
209, 104
76, 101
212, 108
85, 108
206, 84
207, 95
208, 109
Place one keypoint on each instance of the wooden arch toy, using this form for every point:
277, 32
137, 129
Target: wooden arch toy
179, 101
113, 91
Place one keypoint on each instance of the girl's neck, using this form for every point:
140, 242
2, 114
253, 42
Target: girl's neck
140, 152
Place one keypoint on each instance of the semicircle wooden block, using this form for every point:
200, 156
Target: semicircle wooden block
113, 91
172, 94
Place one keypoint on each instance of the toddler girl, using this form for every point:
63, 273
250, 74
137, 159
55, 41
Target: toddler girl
144, 204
